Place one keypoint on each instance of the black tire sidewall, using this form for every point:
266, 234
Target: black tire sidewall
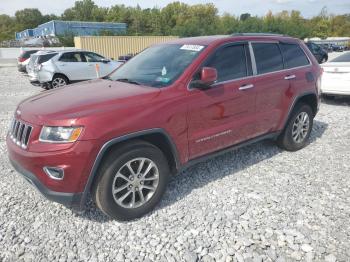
103, 193
287, 141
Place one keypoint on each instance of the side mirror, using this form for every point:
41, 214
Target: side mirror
209, 75
104, 60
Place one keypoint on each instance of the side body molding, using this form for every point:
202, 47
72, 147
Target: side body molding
116, 140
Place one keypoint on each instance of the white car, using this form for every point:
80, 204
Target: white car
336, 76
56, 69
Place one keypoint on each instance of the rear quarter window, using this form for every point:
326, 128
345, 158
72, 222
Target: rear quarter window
268, 57
45, 58
293, 55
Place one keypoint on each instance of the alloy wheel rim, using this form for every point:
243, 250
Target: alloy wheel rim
58, 82
301, 127
135, 183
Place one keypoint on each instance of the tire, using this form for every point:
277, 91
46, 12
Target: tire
59, 81
291, 139
113, 171
324, 59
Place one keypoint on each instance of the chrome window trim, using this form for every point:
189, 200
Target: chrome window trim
252, 57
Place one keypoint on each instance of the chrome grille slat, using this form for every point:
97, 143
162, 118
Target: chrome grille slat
20, 133
23, 136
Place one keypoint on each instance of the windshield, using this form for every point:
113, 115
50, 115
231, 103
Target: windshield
157, 66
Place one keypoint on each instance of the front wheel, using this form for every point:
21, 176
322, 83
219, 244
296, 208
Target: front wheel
131, 181
298, 129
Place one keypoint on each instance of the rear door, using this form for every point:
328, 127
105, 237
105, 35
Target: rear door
298, 70
224, 114
74, 66
271, 86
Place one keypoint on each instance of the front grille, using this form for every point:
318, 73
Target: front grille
20, 133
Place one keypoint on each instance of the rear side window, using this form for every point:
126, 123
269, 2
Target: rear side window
293, 55
72, 57
45, 58
268, 57
230, 62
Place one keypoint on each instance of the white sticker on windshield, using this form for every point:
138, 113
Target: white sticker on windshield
196, 48
164, 71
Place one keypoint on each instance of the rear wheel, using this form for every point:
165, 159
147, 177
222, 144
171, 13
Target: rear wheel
298, 128
59, 81
131, 181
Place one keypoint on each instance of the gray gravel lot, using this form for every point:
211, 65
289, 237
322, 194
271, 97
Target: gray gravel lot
254, 204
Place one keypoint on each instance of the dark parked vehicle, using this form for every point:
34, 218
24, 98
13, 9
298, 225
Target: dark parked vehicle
124, 58
122, 137
338, 48
320, 53
23, 60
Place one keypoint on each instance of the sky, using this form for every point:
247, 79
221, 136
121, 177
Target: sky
308, 8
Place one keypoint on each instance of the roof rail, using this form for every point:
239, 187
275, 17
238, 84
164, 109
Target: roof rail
256, 34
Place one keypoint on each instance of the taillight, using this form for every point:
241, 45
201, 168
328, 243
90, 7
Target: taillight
21, 59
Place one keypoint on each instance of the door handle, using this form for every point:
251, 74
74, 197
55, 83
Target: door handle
289, 77
245, 87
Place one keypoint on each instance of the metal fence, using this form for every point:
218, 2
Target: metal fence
115, 46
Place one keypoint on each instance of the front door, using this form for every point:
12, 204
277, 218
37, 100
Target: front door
224, 114
73, 65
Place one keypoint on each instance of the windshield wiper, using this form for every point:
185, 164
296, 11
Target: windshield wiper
130, 81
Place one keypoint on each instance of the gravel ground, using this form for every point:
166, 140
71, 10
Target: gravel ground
254, 204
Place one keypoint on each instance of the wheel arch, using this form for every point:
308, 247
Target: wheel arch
157, 137
60, 74
309, 98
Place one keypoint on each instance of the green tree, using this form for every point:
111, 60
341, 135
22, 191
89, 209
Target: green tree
29, 18
85, 10
182, 19
7, 27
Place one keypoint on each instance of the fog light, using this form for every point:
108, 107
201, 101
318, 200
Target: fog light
56, 173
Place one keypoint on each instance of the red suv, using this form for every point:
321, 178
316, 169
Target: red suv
120, 138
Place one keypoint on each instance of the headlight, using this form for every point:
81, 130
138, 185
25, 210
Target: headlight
59, 134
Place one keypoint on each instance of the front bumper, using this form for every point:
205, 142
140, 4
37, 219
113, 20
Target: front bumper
76, 160
70, 200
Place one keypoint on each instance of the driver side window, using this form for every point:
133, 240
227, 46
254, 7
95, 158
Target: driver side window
92, 57
230, 62
71, 57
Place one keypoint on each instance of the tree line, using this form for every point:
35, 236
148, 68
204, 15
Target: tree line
183, 20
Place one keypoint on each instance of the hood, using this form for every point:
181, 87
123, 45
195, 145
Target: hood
81, 99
